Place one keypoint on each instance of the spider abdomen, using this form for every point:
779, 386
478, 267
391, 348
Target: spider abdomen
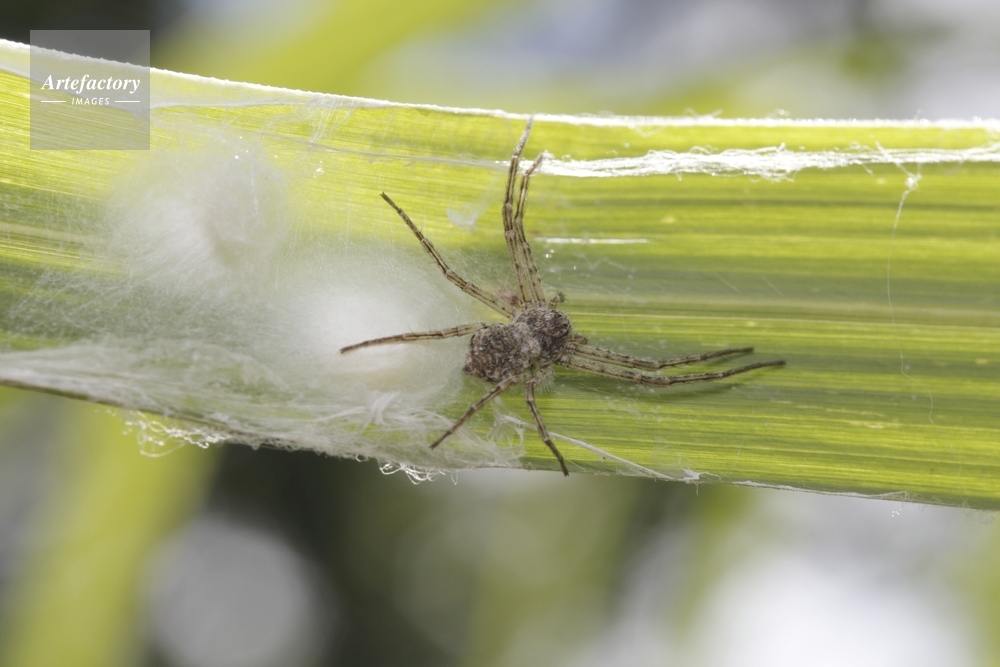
501, 351
536, 337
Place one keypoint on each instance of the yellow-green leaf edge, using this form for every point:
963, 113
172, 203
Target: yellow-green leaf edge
889, 326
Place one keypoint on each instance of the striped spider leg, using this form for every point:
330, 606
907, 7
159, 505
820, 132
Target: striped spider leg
537, 335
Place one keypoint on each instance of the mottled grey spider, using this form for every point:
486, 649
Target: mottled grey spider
538, 335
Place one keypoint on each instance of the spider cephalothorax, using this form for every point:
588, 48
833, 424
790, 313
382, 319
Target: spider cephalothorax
537, 334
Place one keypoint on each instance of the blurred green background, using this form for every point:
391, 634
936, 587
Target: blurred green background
233, 557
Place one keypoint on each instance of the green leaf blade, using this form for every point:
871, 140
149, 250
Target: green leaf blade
780, 235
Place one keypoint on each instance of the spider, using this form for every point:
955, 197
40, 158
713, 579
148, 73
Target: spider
538, 335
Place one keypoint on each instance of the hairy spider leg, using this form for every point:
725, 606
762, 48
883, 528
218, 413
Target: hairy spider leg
618, 359
530, 268
526, 291
463, 284
607, 370
543, 432
474, 408
460, 330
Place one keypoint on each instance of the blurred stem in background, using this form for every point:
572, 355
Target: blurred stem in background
78, 599
307, 45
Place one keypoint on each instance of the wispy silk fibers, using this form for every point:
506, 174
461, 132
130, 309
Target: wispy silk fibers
213, 279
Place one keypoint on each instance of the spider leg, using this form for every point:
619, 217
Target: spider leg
626, 361
529, 268
515, 248
463, 284
529, 395
607, 370
496, 391
460, 330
